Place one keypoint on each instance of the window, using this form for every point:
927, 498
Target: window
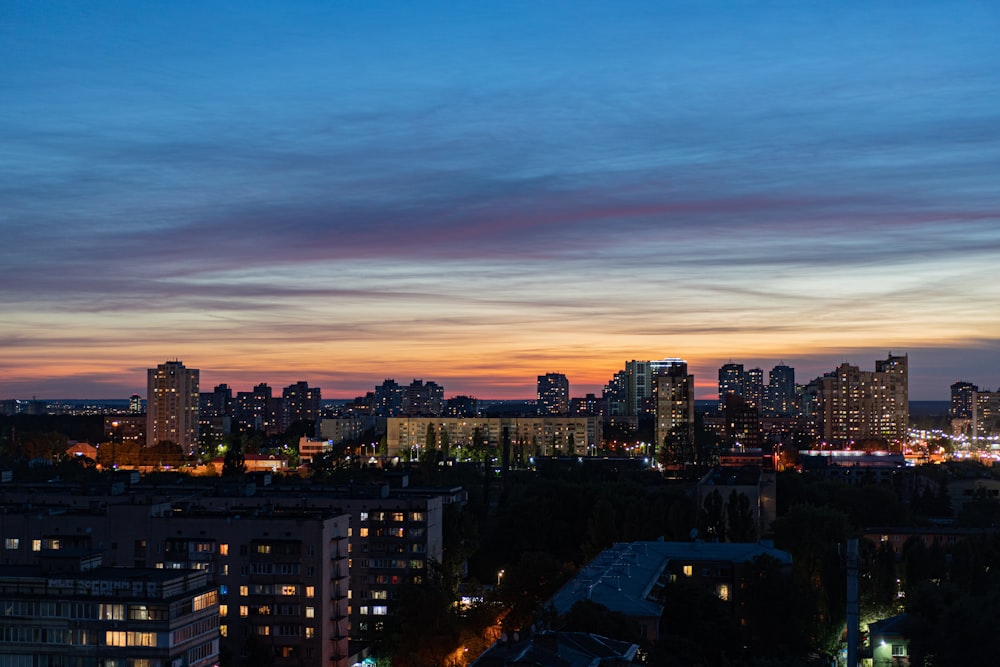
244, 610
263, 548
244, 591
688, 570
11, 543
223, 610
310, 632
899, 650
362, 532
310, 591
112, 612
397, 516
36, 545
722, 590
364, 516
380, 610
288, 589
310, 612
223, 549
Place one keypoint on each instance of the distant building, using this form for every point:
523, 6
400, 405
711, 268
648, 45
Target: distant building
962, 400
780, 392
850, 407
422, 399
172, 405
529, 436
553, 394
135, 404
732, 381
257, 410
462, 406
299, 402
673, 390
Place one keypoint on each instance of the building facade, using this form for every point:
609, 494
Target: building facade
172, 405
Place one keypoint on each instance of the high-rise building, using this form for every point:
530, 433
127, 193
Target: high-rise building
135, 404
962, 400
731, 381
852, 406
673, 390
172, 405
423, 399
553, 394
388, 399
257, 410
780, 391
299, 402
753, 388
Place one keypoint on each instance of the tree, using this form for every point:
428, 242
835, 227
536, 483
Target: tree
711, 517
234, 463
740, 525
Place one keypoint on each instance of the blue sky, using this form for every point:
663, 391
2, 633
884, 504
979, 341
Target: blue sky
478, 193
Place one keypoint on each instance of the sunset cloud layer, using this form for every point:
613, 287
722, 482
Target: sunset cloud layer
477, 194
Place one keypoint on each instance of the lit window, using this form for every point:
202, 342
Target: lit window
722, 590
310, 591
363, 611
688, 570
899, 650
36, 545
288, 589
244, 610
223, 549
223, 610
362, 532
244, 591
380, 610
310, 632
224, 630
11, 543
310, 612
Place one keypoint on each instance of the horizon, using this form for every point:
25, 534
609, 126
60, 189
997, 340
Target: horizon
706, 390
343, 192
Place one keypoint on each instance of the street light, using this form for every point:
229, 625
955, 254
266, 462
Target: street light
499, 577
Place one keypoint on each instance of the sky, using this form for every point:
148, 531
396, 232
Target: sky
480, 193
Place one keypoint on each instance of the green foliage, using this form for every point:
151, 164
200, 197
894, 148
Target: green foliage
234, 463
739, 518
711, 518
697, 628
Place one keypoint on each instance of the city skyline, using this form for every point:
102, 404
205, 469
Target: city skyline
341, 193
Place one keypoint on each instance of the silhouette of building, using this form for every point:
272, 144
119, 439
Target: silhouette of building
423, 399
172, 405
299, 402
553, 394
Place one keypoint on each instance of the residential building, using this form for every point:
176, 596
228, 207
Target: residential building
553, 394
850, 407
422, 399
732, 380
172, 405
529, 436
673, 390
629, 578
67, 608
299, 403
